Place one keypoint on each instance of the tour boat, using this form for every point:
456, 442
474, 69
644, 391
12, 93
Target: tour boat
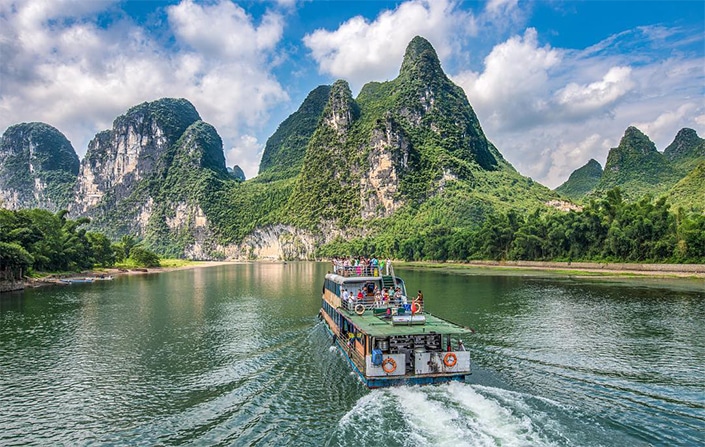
390, 340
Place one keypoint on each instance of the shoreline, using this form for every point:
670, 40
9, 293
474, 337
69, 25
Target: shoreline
113, 272
584, 269
536, 268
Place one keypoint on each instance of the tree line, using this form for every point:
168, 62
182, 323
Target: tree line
605, 230
41, 241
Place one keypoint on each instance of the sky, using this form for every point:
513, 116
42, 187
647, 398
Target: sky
553, 83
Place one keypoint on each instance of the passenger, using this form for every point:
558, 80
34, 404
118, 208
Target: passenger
385, 296
360, 295
397, 295
419, 298
461, 346
346, 296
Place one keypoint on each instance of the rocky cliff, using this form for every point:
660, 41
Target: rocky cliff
38, 167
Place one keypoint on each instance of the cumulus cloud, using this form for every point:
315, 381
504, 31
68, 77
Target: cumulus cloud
513, 88
550, 110
61, 67
361, 50
588, 99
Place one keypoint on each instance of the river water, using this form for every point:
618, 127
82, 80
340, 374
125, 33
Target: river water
234, 355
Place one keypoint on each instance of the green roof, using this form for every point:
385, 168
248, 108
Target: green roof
377, 327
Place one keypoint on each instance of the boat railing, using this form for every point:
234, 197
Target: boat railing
357, 270
371, 302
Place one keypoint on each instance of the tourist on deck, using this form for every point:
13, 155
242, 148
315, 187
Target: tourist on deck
346, 296
360, 295
419, 297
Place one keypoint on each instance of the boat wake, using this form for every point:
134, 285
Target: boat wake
455, 414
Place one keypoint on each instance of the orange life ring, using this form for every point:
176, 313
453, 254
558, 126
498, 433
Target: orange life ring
391, 363
450, 359
360, 309
415, 307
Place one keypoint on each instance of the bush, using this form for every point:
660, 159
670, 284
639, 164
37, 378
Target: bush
143, 257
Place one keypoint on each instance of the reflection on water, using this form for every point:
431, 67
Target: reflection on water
233, 355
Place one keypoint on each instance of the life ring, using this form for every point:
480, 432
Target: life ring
359, 309
389, 365
415, 307
450, 359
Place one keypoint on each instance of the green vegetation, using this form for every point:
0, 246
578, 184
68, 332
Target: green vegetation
30, 151
284, 152
41, 241
582, 181
606, 230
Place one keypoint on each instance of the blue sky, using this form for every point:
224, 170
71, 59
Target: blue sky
553, 83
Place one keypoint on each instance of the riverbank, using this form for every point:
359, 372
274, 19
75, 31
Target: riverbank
104, 273
620, 270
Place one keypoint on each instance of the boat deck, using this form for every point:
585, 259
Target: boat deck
380, 327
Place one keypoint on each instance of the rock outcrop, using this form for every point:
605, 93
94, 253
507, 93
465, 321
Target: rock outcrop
38, 167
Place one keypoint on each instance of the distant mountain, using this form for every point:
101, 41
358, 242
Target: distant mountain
237, 173
284, 152
638, 168
582, 181
686, 151
38, 167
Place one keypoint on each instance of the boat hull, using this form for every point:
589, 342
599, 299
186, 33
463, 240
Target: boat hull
390, 381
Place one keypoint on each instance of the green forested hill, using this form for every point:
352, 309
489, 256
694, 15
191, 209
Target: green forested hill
638, 169
38, 167
285, 149
582, 181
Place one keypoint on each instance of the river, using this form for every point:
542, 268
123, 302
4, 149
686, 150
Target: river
234, 355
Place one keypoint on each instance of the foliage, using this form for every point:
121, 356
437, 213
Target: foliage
143, 258
610, 229
49, 242
582, 181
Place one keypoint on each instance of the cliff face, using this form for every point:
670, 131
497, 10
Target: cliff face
38, 167
398, 143
118, 159
151, 175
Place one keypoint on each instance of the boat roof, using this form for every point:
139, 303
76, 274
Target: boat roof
339, 279
378, 327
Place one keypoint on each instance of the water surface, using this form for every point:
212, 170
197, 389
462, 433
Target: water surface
234, 355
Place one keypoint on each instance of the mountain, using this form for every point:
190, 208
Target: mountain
38, 167
689, 192
404, 158
412, 143
284, 151
237, 173
152, 174
686, 151
582, 181
638, 168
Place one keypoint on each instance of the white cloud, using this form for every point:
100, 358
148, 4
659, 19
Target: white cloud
361, 51
239, 154
61, 68
513, 89
588, 99
550, 110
